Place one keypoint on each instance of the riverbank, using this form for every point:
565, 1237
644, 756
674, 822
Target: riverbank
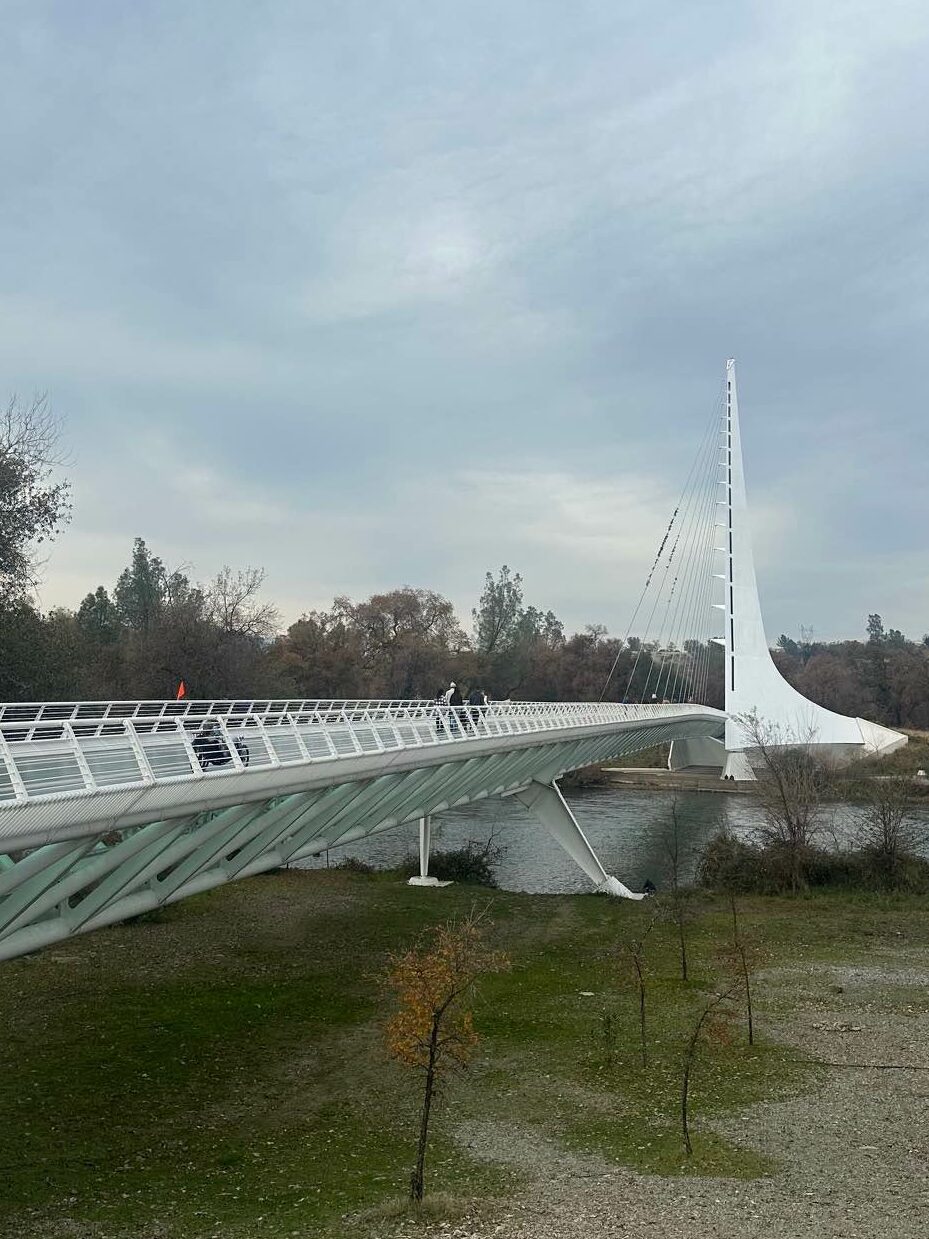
651, 773
676, 780
217, 1071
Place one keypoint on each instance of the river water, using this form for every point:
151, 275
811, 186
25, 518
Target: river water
624, 825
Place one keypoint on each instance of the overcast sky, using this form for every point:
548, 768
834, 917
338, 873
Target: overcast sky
380, 293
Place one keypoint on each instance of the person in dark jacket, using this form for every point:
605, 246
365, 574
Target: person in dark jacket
209, 746
456, 701
476, 699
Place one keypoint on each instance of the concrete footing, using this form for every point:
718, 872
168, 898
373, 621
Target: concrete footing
425, 847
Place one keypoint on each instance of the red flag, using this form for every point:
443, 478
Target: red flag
181, 691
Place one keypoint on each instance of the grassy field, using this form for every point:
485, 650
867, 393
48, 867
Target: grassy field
218, 1069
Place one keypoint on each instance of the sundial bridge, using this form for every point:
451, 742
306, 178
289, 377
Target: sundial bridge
108, 810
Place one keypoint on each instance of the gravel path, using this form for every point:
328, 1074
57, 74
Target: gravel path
853, 1155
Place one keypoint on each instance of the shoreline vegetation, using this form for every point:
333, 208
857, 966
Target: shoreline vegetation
218, 1069
799, 842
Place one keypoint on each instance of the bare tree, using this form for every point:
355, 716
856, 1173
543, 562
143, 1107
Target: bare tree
889, 832
711, 1020
793, 790
742, 963
680, 904
33, 506
635, 949
233, 604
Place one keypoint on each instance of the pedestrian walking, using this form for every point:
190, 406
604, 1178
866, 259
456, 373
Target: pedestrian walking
456, 703
477, 699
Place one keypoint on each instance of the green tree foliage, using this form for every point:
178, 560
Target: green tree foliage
98, 619
511, 638
405, 643
875, 628
497, 616
23, 660
33, 506
320, 655
156, 629
407, 636
145, 589
790, 647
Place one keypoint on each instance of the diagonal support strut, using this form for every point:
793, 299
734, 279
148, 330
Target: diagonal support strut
549, 806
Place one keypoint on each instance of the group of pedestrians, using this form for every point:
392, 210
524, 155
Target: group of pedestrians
461, 714
212, 750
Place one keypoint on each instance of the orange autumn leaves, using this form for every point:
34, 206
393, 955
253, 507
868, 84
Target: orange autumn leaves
432, 984
432, 1027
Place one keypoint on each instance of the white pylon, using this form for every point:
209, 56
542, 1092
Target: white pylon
754, 686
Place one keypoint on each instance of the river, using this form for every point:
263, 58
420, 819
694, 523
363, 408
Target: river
625, 826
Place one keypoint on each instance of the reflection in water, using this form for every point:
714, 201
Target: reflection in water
624, 826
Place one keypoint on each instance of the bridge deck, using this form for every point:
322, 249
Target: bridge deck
111, 810
91, 747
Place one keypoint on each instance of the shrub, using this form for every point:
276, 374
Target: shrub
909, 873
467, 864
463, 865
732, 865
729, 864
584, 776
351, 864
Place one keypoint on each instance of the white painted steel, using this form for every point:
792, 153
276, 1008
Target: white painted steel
153, 710
103, 818
548, 804
753, 683
49, 758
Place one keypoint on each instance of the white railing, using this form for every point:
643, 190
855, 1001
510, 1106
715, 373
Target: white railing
267, 709
90, 746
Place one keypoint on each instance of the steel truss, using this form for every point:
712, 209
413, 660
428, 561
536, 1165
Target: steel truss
131, 832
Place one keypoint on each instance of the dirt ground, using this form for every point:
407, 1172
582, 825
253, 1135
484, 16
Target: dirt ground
852, 1155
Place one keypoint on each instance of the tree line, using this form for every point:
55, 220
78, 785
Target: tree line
884, 678
154, 627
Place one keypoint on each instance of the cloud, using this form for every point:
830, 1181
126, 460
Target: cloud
372, 296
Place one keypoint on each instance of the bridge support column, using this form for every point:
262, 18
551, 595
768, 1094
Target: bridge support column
425, 845
738, 767
549, 806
